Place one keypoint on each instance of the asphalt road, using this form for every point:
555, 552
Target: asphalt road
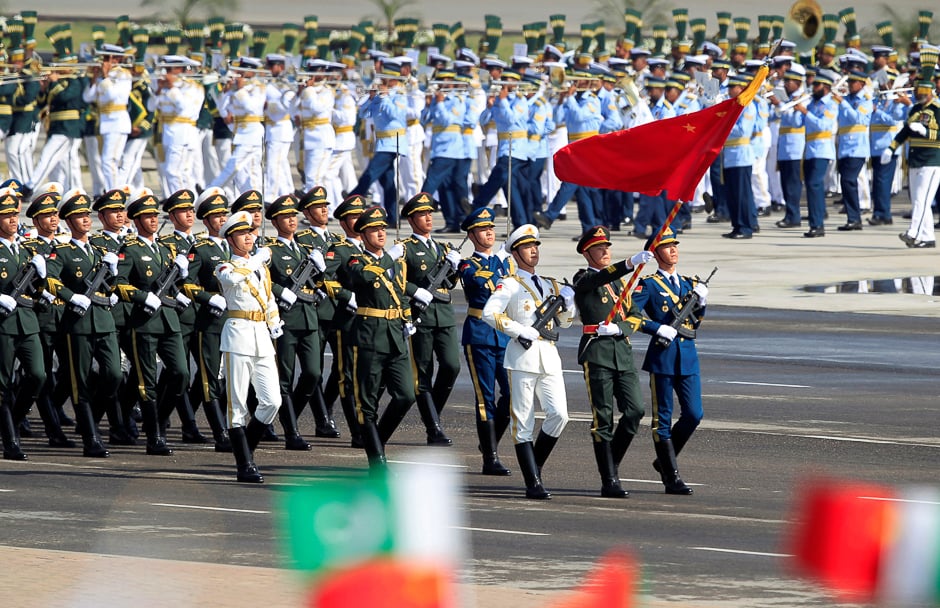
787, 394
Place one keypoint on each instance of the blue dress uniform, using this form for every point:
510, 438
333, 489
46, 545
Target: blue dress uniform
673, 368
820, 120
484, 346
791, 145
853, 147
389, 113
737, 158
886, 119
541, 125
613, 121
446, 118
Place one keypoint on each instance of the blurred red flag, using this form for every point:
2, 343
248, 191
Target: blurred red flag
390, 583
670, 155
840, 535
609, 585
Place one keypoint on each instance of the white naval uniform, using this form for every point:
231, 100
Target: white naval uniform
247, 349
111, 95
314, 107
341, 173
536, 372
179, 108
278, 137
243, 167
412, 169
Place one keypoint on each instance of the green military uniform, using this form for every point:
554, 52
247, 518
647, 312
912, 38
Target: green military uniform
19, 337
379, 351
436, 333
607, 360
151, 333
87, 327
25, 111
301, 339
141, 117
201, 286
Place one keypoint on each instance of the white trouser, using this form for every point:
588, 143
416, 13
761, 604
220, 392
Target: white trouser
550, 390
898, 182
864, 187
210, 158
759, 182
773, 175
832, 178
923, 183
130, 172
340, 177
178, 168
112, 148
317, 163
55, 161
223, 152
19, 157
412, 171
93, 158
276, 168
259, 372
243, 169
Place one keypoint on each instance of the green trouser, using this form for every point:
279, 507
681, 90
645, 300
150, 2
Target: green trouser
605, 385
428, 344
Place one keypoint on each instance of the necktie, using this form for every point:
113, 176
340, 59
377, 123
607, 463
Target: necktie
538, 285
675, 284
224, 247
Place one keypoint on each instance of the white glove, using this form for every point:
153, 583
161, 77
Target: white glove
7, 303
886, 156
288, 296
667, 332
40, 263
183, 300
529, 333
918, 128
640, 258
113, 299
47, 296
182, 263
153, 302
317, 258
217, 301
453, 256
80, 301
608, 329
408, 330
277, 330
111, 260
567, 293
423, 295
351, 305
259, 259
396, 251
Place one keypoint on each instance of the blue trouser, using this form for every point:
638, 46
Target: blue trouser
534, 171
689, 391
515, 191
649, 213
629, 199
613, 207
719, 200
381, 168
439, 179
486, 372
849, 168
882, 176
791, 182
590, 205
740, 199
814, 174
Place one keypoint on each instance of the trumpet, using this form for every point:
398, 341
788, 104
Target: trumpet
795, 102
894, 93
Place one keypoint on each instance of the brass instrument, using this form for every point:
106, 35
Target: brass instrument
803, 25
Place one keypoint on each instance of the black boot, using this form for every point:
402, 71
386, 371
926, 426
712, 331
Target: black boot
666, 456
118, 433
247, 472
530, 472
292, 439
216, 422
325, 425
391, 418
190, 430
156, 442
352, 421
544, 445
621, 442
486, 431
375, 450
253, 433
50, 420
11, 444
610, 480
679, 440
91, 440
432, 423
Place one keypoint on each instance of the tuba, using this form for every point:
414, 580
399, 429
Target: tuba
803, 25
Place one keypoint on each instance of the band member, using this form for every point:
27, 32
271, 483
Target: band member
178, 102
109, 90
242, 107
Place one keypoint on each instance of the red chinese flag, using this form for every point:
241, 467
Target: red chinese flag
668, 155
610, 585
388, 583
840, 535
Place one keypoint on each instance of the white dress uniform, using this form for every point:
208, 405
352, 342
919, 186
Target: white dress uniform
314, 106
533, 372
341, 173
412, 168
279, 135
111, 94
178, 109
246, 107
247, 349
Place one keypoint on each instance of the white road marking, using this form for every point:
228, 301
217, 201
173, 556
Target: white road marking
740, 552
200, 508
762, 384
7, 490
518, 532
656, 482
431, 464
856, 440
906, 500
580, 372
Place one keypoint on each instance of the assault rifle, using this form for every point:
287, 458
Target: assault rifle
166, 283
299, 282
546, 312
438, 281
686, 307
94, 286
23, 288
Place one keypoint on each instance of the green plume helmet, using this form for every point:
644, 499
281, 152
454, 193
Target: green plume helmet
763, 29
357, 39
195, 34
368, 30
776, 26
234, 34
847, 15
742, 28
61, 38
541, 31
494, 32
141, 39
98, 34
698, 27
587, 37
830, 28
928, 64
123, 24
638, 34
29, 19
530, 34
406, 28
558, 23
807, 59
457, 35
259, 42
172, 39
323, 44
311, 23
680, 16
290, 31
724, 22
886, 31
600, 36
441, 33
216, 32
660, 34
924, 19
15, 31
631, 19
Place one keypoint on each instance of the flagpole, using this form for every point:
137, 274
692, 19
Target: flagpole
636, 271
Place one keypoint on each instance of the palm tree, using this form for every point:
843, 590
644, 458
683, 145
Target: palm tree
184, 10
390, 10
611, 11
